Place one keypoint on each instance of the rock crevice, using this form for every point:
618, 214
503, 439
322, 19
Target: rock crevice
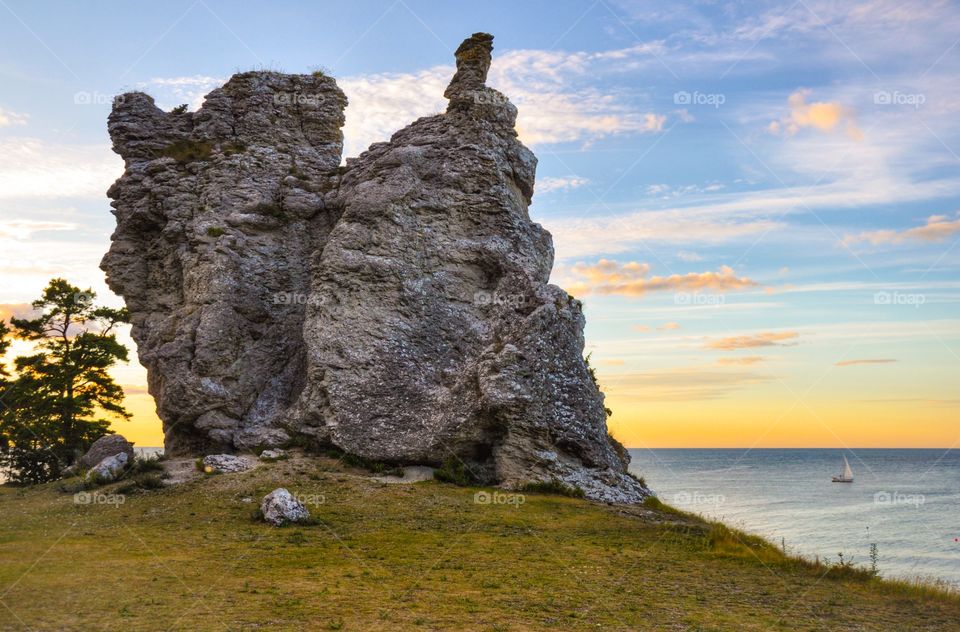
398, 308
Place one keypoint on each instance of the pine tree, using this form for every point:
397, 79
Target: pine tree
57, 403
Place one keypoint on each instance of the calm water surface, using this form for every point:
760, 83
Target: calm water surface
905, 501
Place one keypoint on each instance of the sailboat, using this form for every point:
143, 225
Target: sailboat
847, 476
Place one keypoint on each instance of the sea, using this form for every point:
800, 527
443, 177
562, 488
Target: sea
906, 502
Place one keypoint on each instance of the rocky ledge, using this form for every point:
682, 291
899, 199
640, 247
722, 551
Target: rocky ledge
398, 308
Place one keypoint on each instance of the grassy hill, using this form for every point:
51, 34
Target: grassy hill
411, 557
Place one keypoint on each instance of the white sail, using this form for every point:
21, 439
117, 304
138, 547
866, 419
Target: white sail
847, 472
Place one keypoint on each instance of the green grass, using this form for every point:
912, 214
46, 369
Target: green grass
407, 557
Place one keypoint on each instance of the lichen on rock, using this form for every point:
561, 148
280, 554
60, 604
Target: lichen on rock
398, 309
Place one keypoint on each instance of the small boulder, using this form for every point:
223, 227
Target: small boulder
105, 446
225, 464
279, 507
274, 454
109, 468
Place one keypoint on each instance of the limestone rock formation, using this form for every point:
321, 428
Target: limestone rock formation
398, 308
219, 213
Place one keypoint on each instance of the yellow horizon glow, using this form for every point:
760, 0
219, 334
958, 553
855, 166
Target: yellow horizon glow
717, 424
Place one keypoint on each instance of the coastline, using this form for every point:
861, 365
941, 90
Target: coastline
418, 556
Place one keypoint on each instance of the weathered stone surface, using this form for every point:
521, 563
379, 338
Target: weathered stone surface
273, 454
398, 308
225, 464
109, 468
217, 220
106, 446
279, 507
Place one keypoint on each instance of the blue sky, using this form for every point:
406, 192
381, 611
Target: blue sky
757, 202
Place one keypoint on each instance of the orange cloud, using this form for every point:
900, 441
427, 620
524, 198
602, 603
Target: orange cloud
765, 339
683, 384
641, 328
822, 116
632, 279
865, 361
937, 228
19, 310
668, 327
744, 361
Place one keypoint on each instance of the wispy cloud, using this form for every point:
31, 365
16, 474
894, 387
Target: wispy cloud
671, 326
633, 279
563, 183
613, 362
553, 90
32, 168
682, 384
744, 361
765, 339
380, 104
937, 228
8, 118
173, 91
689, 257
865, 361
24, 228
18, 310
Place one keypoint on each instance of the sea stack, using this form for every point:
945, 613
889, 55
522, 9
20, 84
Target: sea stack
398, 308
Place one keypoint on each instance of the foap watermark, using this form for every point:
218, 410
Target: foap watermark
698, 498
311, 500
913, 99
85, 97
489, 97
98, 498
889, 499
299, 98
299, 298
484, 298
899, 298
83, 299
698, 298
498, 498
714, 99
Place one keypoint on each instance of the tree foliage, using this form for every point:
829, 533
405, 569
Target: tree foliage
62, 396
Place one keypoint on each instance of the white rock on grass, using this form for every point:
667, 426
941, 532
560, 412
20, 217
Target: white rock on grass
225, 464
279, 507
109, 468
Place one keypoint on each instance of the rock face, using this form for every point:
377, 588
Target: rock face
273, 454
397, 308
106, 446
225, 464
279, 507
219, 213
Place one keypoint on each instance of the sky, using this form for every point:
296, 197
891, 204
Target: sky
758, 203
